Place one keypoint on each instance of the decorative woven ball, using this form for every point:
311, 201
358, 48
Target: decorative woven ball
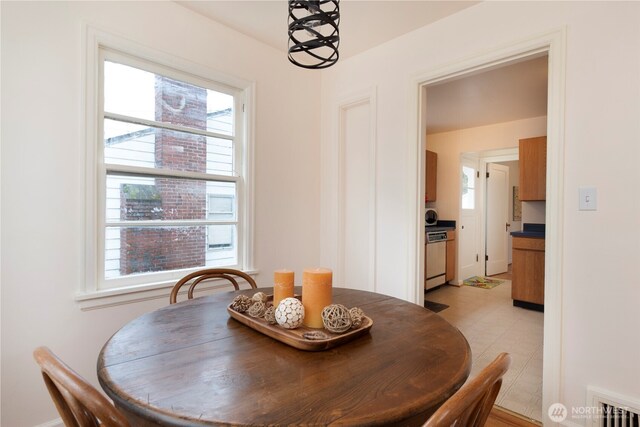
336, 318
241, 303
270, 315
257, 309
290, 313
259, 296
357, 316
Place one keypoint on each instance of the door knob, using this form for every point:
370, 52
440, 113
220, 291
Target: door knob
506, 226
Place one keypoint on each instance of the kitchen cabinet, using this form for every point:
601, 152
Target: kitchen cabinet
533, 168
527, 287
431, 176
450, 271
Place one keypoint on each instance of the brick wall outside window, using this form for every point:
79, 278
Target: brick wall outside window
167, 248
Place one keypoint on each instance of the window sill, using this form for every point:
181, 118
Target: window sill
132, 294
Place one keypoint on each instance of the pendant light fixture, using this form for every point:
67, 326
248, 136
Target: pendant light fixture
313, 33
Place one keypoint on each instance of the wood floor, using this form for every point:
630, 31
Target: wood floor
500, 417
506, 275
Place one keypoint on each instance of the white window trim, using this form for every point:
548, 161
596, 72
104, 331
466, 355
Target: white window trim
89, 295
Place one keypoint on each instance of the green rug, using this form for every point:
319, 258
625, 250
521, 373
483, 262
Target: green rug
482, 282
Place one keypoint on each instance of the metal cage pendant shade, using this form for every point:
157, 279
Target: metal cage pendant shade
313, 33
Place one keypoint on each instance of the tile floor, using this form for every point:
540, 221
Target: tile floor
492, 325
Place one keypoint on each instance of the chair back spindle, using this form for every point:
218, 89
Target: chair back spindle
78, 402
471, 405
200, 276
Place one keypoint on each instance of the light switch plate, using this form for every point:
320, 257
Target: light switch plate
588, 199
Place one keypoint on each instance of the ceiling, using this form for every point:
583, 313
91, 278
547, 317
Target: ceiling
363, 24
511, 92
508, 93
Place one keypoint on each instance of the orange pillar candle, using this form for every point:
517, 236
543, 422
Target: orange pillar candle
316, 294
282, 285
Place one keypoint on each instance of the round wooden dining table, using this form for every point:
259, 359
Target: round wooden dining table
192, 364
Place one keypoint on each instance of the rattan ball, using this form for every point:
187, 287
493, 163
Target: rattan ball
357, 316
257, 309
241, 303
336, 318
259, 296
290, 313
270, 315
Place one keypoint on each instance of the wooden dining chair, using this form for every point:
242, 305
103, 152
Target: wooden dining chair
78, 403
470, 406
197, 277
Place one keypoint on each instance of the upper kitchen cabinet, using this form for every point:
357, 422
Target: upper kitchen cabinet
431, 174
533, 168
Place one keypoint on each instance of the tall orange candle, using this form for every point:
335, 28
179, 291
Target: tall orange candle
316, 294
282, 285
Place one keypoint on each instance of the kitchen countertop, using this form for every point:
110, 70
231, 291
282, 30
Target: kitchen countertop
433, 228
534, 231
441, 225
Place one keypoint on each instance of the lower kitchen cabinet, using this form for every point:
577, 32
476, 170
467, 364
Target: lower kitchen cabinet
527, 288
450, 272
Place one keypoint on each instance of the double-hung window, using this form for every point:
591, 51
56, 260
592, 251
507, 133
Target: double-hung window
170, 172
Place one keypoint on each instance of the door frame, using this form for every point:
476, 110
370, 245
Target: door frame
486, 157
554, 45
365, 97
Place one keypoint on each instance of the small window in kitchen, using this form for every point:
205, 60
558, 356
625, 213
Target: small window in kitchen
468, 187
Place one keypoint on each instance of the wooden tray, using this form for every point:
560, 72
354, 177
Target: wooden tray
294, 337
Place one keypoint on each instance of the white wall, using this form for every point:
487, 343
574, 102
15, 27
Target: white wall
534, 212
43, 174
450, 145
599, 318
482, 141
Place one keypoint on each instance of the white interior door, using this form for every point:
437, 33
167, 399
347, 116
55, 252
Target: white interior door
497, 234
356, 263
468, 231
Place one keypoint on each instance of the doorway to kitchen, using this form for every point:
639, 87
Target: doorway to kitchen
553, 44
483, 134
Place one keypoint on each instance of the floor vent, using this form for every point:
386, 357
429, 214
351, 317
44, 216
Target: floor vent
612, 410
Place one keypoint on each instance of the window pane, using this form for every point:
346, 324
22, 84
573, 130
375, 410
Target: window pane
136, 93
219, 156
129, 144
143, 199
468, 187
135, 145
129, 91
219, 112
220, 237
156, 249
221, 202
